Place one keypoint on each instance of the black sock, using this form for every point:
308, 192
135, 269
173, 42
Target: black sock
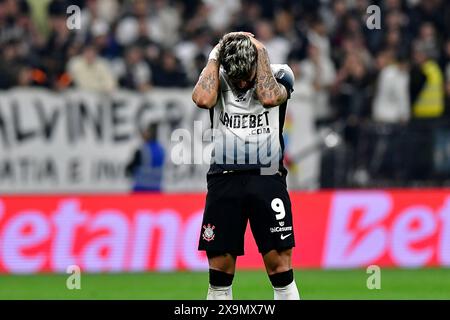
282, 279
220, 279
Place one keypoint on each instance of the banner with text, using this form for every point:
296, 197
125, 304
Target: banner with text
156, 232
77, 141
81, 142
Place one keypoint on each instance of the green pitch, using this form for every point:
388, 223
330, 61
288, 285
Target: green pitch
313, 284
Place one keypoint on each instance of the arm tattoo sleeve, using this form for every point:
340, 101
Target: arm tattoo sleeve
207, 87
208, 81
267, 88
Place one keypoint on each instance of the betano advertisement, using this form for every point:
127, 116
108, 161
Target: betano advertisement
145, 232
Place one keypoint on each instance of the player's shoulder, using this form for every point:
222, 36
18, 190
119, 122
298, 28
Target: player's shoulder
284, 75
279, 70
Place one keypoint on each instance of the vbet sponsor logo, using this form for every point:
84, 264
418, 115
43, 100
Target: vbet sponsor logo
362, 230
100, 233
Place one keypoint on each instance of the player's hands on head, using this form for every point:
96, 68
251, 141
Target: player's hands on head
248, 34
214, 54
258, 44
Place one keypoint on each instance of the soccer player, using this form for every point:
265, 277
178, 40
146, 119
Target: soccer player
247, 99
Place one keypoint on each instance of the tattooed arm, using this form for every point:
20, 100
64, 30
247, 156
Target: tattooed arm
206, 90
269, 92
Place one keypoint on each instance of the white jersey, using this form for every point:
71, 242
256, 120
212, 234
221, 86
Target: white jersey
246, 135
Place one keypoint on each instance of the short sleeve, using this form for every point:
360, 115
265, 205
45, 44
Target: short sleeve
285, 76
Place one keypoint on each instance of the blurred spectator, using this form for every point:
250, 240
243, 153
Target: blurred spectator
393, 40
158, 20
382, 147
169, 73
318, 72
221, 13
428, 40
432, 11
333, 16
426, 84
14, 20
352, 104
246, 17
391, 99
134, 72
39, 14
99, 10
152, 49
52, 57
91, 72
351, 88
187, 50
146, 166
317, 34
134, 24
101, 37
198, 21
166, 21
427, 102
446, 59
13, 70
284, 25
277, 46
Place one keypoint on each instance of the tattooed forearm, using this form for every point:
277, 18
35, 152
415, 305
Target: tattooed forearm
206, 90
207, 82
268, 90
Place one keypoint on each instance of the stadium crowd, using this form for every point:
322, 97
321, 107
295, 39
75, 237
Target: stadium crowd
386, 91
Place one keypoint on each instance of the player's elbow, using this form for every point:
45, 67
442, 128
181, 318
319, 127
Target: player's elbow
270, 102
273, 99
204, 102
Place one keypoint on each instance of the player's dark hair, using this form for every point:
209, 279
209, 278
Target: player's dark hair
237, 55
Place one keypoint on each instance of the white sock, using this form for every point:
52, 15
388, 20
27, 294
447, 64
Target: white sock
219, 293
289, 292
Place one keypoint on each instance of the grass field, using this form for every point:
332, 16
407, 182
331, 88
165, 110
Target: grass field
313, 284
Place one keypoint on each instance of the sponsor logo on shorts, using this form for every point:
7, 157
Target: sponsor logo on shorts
284, 236
280, 229
208, 233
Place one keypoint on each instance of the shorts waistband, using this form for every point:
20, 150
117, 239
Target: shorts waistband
256, 172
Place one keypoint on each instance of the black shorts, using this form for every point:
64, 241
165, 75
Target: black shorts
233, 200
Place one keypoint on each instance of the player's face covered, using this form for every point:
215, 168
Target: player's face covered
246, 82
237, 55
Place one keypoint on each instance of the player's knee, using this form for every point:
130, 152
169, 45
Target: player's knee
223, 262
277, 268
277, 261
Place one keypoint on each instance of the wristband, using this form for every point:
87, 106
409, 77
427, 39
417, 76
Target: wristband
214, 54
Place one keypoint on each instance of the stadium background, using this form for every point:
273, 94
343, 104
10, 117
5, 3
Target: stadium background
368, 146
